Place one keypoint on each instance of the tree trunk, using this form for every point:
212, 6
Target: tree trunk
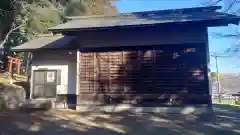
28, 66
5, 59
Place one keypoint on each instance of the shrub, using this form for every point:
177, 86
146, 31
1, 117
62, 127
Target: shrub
237, 102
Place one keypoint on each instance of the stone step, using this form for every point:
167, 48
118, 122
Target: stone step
38, 104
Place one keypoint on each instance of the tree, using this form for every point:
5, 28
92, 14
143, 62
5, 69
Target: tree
30, 18
34, 17
232, 7
90, 7
26, 19
6, 16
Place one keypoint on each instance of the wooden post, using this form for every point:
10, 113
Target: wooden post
10, 66
18, 66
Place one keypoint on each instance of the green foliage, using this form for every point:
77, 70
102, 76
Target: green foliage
35, 16
213, 74
237, 102
21, 56
90, 7
23, 20
6, 17
39, 16
75, 8
93, 7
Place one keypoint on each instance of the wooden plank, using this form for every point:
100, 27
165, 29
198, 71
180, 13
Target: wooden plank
158, 71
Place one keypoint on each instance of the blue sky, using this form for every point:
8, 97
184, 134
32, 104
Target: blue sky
216, 45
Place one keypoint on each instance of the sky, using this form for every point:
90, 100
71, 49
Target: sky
216, 45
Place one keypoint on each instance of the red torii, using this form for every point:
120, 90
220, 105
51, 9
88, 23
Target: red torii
11, 61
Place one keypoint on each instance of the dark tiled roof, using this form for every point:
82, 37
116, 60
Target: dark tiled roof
147, 18
51, 42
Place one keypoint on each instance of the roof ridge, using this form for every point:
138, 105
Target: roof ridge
208, 8
209, 16
45, 35
50, 35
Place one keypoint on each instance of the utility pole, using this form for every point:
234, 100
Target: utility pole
218, 79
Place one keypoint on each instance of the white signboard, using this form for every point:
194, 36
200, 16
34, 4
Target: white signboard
50, 76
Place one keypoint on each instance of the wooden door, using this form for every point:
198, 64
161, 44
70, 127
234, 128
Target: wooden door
44, 83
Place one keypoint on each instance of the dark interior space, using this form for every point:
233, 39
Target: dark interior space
163, 75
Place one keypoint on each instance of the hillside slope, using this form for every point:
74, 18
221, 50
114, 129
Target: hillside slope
229, 82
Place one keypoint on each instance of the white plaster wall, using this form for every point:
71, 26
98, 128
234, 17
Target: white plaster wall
78, 72
64, 60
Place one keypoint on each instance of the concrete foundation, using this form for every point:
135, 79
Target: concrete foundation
125, 107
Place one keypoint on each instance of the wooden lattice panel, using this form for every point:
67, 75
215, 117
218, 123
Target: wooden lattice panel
102, 69
115, 72
147, 70
87, 72
178, 71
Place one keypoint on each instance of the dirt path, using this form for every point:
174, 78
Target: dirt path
64, 122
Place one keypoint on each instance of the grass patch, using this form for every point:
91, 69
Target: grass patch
227, 102
9, 81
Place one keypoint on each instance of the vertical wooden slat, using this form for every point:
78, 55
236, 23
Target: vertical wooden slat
157, 73
95, 60
109, 67
154, 69
139, 68
87, 72
114, 70
124, 71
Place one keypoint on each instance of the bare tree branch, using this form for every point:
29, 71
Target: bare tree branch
14, 27
220, 35
8, 34
4, 12
230, 6
211, 2
216, 2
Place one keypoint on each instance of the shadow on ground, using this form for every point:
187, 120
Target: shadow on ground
225, 121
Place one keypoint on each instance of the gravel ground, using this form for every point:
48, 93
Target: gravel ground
225, 121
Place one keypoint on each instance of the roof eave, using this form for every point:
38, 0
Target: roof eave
206, 23
24, 50
41, 49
